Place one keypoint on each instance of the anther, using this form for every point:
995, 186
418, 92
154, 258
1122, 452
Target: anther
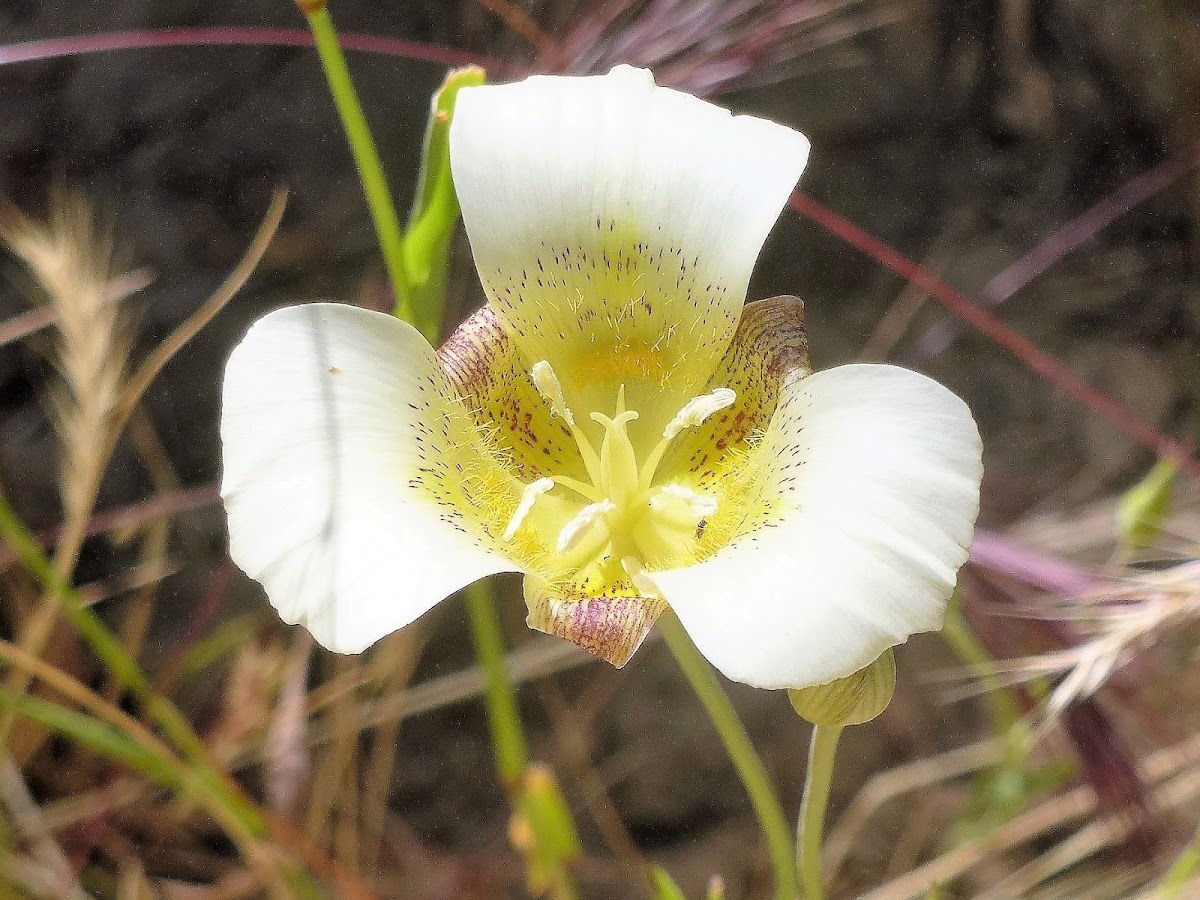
528, 498
548, 386
699, 506
574, 530
696, 410
551, 391
694, 413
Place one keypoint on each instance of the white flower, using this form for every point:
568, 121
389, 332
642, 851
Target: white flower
615, 423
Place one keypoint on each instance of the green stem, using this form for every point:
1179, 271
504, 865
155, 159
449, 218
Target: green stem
417, 266
811, 827
362, 147
737, 744
508, 740
534, 797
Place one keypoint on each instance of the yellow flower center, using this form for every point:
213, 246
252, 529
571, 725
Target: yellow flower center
622, 512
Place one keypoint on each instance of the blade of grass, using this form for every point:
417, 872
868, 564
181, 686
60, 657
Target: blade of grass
665, 887
520, 22
1083, 227
25, 324
508, 740
99, 708
124, 518
94, 734
116, 744
153, 364
126, 670
245, 823
24, 813
1186, 865
1000, 553
155, 538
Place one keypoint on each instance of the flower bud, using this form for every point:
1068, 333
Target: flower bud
852, 700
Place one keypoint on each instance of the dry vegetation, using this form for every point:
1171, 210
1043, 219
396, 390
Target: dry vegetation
158, 745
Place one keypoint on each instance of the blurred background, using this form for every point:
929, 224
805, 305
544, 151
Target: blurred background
1038, 156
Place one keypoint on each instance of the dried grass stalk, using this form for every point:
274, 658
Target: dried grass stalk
70, 259
1119, 622
708, 47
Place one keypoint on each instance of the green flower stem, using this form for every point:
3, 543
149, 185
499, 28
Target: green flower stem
811, 827
534, 795
362, 147
429, 234
416, 262
508, 740
737, 744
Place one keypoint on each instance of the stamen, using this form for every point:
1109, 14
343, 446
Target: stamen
528, 498
694, 413
548, 386
637, 574
699, 506
574, 530
550, 389
696, 410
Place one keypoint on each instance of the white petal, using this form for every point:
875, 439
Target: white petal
614, 223
870, 493
336, 424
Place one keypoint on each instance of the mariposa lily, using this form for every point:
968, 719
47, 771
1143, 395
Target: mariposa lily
616, 422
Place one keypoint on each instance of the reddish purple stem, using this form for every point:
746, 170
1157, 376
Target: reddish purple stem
56, 48
1084, 227
1006, 556
973, 313
1066, 239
